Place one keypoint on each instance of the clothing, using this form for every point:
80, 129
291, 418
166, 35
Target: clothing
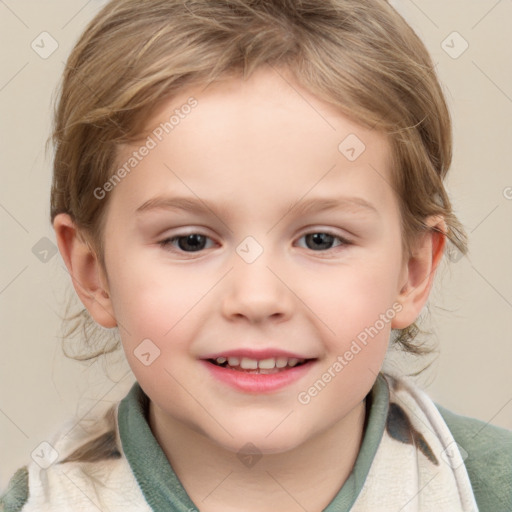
408, 461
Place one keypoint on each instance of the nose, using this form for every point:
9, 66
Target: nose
257, 292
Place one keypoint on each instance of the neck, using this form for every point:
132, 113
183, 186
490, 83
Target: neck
305, 478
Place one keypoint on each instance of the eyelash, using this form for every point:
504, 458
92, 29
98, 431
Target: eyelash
167, 243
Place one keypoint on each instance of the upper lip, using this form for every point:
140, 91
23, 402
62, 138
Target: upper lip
256, 354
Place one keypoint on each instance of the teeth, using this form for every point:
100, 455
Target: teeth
267, 364
246, 363
281, 362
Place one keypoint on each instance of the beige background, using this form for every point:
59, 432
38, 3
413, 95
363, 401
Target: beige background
470, 310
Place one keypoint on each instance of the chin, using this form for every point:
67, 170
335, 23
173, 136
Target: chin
259, 441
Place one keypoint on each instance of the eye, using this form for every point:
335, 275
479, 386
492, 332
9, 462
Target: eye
196, 242
322, 241
192, 242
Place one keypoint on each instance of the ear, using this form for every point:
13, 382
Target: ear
419, 272
88, 276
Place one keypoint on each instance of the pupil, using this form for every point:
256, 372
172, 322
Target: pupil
193, 242
322, 240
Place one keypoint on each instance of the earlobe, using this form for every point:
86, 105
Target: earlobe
420, 269
87, 274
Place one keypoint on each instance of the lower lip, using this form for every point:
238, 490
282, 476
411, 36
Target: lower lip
258, 382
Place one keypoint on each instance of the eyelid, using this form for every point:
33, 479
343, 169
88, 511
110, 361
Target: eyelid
306, 231
345, 236
343, 242
185, 231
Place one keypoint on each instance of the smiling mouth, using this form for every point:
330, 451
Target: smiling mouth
262, 366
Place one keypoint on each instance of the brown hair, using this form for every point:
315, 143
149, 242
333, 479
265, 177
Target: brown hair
359, 55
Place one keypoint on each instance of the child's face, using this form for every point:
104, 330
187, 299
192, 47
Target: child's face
244, 155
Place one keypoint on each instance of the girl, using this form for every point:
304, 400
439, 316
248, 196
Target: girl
251, 193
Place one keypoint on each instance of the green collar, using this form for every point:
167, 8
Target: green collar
164, 492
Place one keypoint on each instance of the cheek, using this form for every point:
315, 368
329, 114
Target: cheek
149, 301
358, 313
156, 317
351, 298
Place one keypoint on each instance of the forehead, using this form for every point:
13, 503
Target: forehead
262, 135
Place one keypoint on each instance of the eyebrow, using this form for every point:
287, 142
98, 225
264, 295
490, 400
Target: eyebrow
300, 207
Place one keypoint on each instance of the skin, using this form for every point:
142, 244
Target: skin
253, 148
